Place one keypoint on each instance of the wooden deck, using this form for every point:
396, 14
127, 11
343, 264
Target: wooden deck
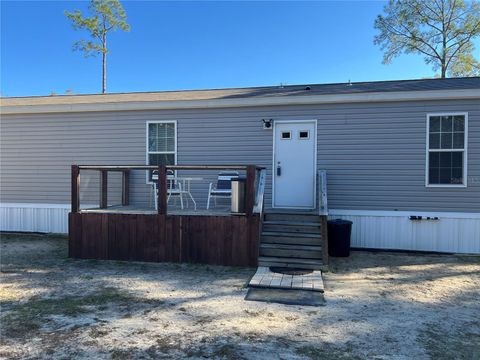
166, 234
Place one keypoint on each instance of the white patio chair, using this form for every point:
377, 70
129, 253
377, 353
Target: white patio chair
174, 188
223, 188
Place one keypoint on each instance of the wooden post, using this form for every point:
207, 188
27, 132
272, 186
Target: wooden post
75, 195
250, 190
324, 230
125, 187
162, 190
103, 189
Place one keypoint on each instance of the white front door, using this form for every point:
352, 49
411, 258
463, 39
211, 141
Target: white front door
294, 164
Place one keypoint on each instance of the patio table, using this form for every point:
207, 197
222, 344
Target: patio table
186, 182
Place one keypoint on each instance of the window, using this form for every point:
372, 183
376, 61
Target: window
304, 135
286, 135
161, 144
446, 150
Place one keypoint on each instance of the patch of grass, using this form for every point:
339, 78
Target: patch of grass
469, 258
213, 351
164, 345
7, 236
227, 351
26, 318
440, 344
202, 320
252, 312
119, 354
252, 336
243, 286
20, 251
96, 332
326, 352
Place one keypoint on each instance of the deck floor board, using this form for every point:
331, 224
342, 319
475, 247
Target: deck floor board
136, 209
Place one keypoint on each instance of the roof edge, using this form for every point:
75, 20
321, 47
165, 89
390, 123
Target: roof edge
392, 96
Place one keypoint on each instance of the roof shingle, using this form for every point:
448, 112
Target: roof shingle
253, 92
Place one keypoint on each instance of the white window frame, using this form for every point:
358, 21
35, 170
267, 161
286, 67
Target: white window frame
159, 152
464, 150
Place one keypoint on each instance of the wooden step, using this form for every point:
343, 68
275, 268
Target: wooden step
292, 223
290, 262
291, 251
294, 247
295, 216
289, 238
291, 227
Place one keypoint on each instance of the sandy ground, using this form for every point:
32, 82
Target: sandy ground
378, 306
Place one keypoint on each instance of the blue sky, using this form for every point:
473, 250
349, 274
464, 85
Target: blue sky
194, 45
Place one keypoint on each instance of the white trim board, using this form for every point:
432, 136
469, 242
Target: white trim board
125, 105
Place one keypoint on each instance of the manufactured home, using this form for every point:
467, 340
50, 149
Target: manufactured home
401, 160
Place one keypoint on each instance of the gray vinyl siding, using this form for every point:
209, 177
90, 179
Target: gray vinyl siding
374, 152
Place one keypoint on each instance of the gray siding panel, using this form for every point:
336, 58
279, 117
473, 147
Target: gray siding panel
374, 153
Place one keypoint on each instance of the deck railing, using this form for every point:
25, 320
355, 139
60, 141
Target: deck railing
254, 187
260, 193
322, 192
322, 205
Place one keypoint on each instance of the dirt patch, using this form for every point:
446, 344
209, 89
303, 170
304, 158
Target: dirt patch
378, 305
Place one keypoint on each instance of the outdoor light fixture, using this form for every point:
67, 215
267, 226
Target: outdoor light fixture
267, 123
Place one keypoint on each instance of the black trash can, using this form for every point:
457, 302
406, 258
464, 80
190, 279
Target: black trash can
339, 232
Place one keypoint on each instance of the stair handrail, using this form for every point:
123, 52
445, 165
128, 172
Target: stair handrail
259, 198
322, 193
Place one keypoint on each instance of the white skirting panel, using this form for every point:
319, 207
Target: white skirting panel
49, 218
452, 232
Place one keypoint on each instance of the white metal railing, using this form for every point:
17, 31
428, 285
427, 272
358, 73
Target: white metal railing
260, 193
322, 192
